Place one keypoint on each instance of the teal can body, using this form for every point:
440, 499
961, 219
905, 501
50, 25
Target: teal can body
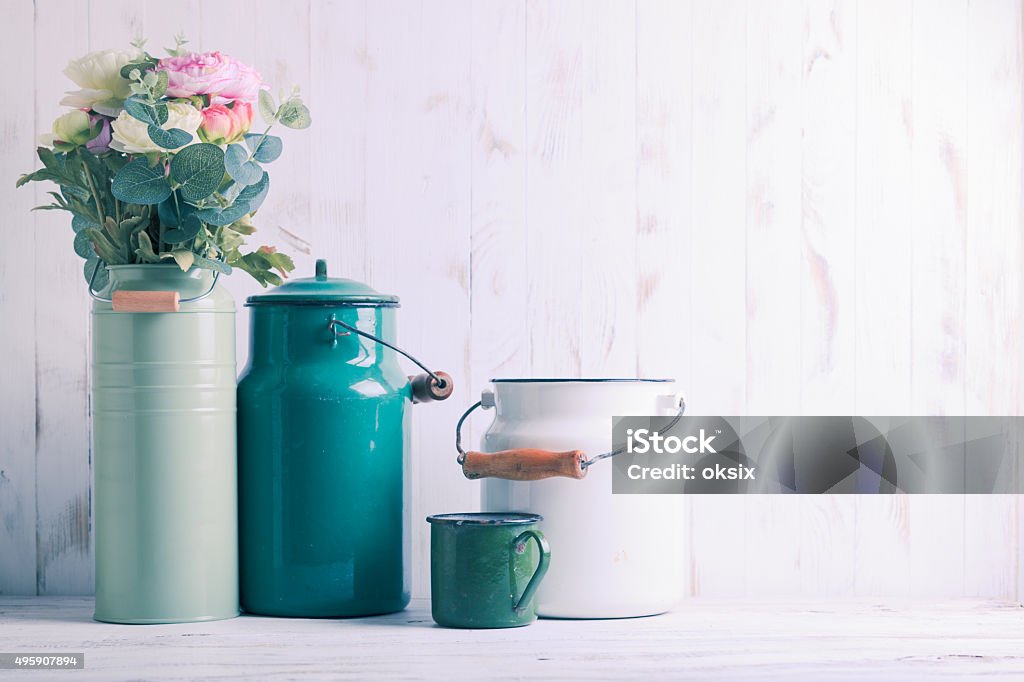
163, 402
324, 435
485, 569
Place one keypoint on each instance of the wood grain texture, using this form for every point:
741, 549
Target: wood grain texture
774, 134
939, 222
341, 72
63, 455
554, 186
607, 311
18, 302
524, 464
706, 639
498, 159
993, 245
437, 318
718, 209
882, 311
664, 185
146, 301
720, 529
790, 207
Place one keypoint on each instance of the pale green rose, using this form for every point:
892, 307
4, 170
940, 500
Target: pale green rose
98, 74
73, 127
131, 135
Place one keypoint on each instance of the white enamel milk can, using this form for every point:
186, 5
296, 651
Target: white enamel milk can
613, 556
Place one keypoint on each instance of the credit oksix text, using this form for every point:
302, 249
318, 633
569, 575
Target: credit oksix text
651, 442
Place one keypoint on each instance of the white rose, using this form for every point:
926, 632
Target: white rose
99, 76
131, 135
74, 127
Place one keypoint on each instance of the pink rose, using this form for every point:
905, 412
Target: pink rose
222, 78
226, 124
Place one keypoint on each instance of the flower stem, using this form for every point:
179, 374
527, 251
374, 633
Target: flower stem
95, 195
256, 147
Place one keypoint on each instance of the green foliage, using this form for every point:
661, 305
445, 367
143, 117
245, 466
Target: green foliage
190, 226
239, 167
139, 183
154, 115
264, 148
168, 139
198, 170
260, 263
294, 114
268, 109
146, 63
193, 206
95, 272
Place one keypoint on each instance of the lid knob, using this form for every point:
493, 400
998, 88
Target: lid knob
321, 269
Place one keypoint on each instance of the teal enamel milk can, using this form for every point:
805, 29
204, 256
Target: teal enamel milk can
163, 403
324, 434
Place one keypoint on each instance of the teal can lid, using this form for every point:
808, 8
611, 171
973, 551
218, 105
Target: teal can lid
323, 290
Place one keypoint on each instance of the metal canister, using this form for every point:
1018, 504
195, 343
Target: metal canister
324, 435
163, 400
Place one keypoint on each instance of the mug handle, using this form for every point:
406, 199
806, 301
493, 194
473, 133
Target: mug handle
542, 566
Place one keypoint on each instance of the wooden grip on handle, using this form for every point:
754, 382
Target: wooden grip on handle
146, 301
426, 390
525, 464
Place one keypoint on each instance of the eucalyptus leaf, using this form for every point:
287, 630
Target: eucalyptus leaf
79, 223
198, 169
142, 65
253, 195
226, 216
212, 264
268, 109
137, 183
239, 167
294, 114
171, 138
83, 245
266, 150
190, 227
167, 213
161, 84
141, 111
169, 210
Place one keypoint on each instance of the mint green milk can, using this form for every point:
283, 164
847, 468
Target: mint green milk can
324, 434
163, 401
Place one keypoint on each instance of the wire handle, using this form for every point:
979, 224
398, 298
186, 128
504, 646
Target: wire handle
440, 385
580, 462
103, 299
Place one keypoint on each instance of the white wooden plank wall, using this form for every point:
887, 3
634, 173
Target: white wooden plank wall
793, 207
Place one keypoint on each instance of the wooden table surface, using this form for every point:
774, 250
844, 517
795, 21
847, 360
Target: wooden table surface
702, 639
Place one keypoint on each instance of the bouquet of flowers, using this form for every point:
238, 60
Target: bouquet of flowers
156, 161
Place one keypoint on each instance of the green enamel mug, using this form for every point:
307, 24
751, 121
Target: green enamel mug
485, 569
